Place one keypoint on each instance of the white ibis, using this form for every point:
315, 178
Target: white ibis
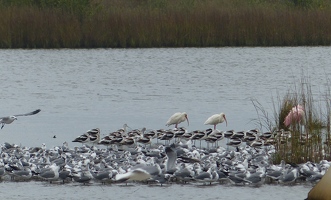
216, 119
177, 118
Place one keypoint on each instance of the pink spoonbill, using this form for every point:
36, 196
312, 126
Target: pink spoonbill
216, 119
295, 115
177, 118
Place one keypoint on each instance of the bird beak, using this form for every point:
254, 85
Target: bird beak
188, 123
226, 122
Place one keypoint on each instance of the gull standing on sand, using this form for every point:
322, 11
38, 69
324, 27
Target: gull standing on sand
10, 119
177, 118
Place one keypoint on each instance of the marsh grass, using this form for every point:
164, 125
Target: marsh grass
163, 23
307, 140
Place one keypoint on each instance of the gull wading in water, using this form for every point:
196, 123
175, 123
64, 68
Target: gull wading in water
10, 119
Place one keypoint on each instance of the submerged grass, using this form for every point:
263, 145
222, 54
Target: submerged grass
307, 140
163, 23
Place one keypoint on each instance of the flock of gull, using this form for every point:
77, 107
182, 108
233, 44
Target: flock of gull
159, 157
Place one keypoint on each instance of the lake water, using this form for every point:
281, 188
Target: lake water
44, 190
78, 90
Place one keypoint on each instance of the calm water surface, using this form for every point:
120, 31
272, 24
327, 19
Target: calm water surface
78, 90
42, 190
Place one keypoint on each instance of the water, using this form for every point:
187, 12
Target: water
78, 90
28, 190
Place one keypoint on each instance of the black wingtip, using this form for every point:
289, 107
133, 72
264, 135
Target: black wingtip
36, 111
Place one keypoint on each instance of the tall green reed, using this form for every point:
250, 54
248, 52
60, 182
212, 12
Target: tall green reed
301, 141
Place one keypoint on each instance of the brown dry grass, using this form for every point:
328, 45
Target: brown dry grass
165, 23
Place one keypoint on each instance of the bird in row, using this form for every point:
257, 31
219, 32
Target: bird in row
136, 137
92, 136
295, 115
180, 117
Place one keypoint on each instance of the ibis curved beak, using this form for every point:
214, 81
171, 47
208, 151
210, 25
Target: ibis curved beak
188, 123
226, 122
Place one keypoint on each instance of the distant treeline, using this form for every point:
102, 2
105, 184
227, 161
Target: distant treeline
163, 23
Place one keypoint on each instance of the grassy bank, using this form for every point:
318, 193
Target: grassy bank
163, 23
304, 140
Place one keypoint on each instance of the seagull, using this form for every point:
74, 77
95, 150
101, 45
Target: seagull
139, 172
171, 158
10, 119
51, 174
102, 176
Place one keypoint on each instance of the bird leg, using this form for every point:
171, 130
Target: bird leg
3, 124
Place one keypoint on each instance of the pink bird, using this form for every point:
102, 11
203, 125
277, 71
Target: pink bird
216, 119
177, 118
296, 114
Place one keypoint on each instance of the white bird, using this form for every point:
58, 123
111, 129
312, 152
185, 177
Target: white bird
10, 119
51, 174
177, 118
139, 172
216, 119
171, 158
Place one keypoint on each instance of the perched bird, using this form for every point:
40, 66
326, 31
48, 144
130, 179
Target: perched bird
10, 119
171, 158
21, 174
177, 118
82, 138
290, 176
216, 119
204, 177
82, 177
102, 176
51, 174
92, 136
295, 115
234, 142
139, 172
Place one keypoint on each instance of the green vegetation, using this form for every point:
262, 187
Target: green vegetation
163, 23
308, 140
